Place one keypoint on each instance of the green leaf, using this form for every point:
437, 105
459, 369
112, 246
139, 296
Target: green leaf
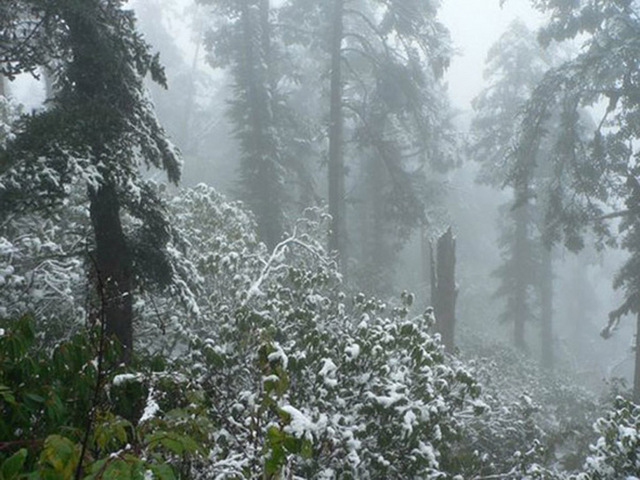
12, 466
275, 461
34, 398
163, 472
292, 444
307, 449
95, 469
118, 469
7, 395
61, 454
173, 442
275, 435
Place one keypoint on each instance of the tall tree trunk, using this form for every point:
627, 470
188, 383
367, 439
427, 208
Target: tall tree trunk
337, 236
185, 132
113, 262
263, 182
520, 254
546, 301
113, 265
373, 237
425, 256
636, 377
443, 288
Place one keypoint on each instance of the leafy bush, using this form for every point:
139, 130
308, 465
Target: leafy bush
616, 453
54, 402
275, 373
271, 371
300, 379
533, 419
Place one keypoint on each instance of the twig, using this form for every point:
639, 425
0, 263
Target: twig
100, 373
13, 443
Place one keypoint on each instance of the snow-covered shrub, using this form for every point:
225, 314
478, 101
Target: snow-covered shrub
298, 378
10, 111
534, 420
616, 453
43, 267
216, 256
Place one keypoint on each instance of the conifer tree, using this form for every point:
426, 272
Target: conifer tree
98, 130
589, 178
270, 133
514, 64
387, 123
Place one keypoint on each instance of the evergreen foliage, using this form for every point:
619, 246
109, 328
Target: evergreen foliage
250, 360
98, 131
273, 136
590, 179
514, 63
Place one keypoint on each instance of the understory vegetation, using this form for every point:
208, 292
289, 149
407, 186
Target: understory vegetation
272, 370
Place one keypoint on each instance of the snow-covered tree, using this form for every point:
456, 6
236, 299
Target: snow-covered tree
585, 182
97, 132
515, 64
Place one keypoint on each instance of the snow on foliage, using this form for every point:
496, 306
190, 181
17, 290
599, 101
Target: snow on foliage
264, 359
530, 422
616, 453
327, 386
42, 266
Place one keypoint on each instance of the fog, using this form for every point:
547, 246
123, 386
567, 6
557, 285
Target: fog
475, 26
411, 196
473, 209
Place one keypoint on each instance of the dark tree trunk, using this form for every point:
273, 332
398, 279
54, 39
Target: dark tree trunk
520, 253
3, 87
113, 266
636, 377
261, 175
337, 236
425, 255
113, 262
373, 239
546, 301
443, 288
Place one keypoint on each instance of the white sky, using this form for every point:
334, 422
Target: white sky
475, 25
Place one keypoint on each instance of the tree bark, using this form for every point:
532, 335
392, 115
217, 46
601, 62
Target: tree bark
263, 184
113, 262
636, 377
443, 288
520, 254
337, 235
546, 301
113, 265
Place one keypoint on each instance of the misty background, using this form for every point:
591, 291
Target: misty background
582, 283
279, 239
